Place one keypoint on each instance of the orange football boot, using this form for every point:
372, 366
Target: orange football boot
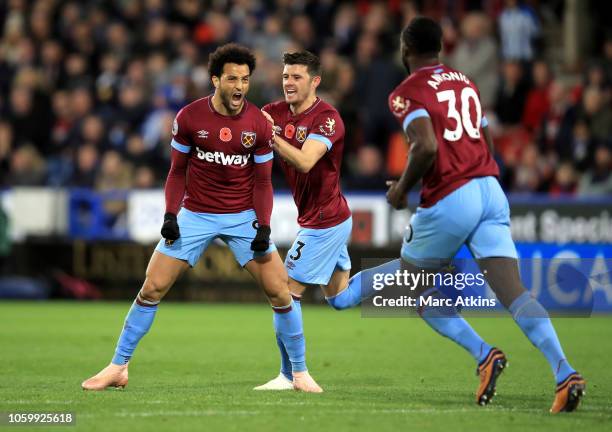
569, 393
489, 371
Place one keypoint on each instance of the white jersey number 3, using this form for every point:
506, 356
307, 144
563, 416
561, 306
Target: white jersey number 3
464, 122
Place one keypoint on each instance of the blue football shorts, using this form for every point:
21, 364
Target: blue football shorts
477, 214
317, 253
198, 230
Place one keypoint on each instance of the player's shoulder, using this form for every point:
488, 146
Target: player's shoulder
251, 110
325, 108
409, 88
277, 107
325, 114
198, 106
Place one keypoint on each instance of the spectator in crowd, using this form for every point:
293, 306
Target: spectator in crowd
559, 105
368, 171
27, 167
376, 78
144, 178
81, 78
581, 145
565, 180
476, 56
527, 173
86, 169
598, 179
597, 112
518, 27
346, 29
29, 117
511, 94
6, 139
113, 178
272, 40
537, 103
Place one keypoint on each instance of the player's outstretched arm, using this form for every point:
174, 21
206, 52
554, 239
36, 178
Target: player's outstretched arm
174, 190
262, 204
488, 139
423, 150
302, 159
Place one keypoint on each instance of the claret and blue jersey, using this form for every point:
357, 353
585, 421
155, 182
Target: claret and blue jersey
218, 200
461, 199
323, 213
222, 151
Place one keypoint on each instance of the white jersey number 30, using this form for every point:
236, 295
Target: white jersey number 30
464, 122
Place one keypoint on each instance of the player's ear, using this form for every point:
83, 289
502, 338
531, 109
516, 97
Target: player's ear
316, 81
215, 81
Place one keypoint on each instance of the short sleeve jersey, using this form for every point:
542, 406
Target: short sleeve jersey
317, 194
452, 102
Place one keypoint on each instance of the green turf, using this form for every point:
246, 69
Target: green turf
196, 368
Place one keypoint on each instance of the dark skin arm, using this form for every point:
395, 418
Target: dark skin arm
423, 150
489, 139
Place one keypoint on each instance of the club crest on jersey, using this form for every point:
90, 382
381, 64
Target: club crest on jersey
300, 133
289, 131
400, 106
329, 128
247, 138
225, 134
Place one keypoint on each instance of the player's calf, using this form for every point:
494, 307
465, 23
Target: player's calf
347, 293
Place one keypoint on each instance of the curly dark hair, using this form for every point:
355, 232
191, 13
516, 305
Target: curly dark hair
423, 36
306, 58
230, 53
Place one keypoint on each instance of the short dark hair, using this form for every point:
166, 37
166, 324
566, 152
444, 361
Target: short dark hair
306, 58
230, 53
423, 36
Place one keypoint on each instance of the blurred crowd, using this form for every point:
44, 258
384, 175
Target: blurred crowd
88, 89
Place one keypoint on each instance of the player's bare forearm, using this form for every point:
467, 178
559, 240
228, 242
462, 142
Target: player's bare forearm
423, 150
418, 164
302, 159
174, 189
488, 139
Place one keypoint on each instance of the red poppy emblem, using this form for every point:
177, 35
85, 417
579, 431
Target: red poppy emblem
289, 131
225, 134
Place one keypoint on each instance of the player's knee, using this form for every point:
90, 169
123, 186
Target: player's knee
278, 285
153, 289
278, 291
279, 299
338, 303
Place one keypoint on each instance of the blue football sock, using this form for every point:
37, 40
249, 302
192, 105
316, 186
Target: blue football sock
137, 324
288, 327
361, 286
285, 362
446, 321
533, 319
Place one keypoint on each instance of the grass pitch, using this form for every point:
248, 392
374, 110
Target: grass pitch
196, 368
